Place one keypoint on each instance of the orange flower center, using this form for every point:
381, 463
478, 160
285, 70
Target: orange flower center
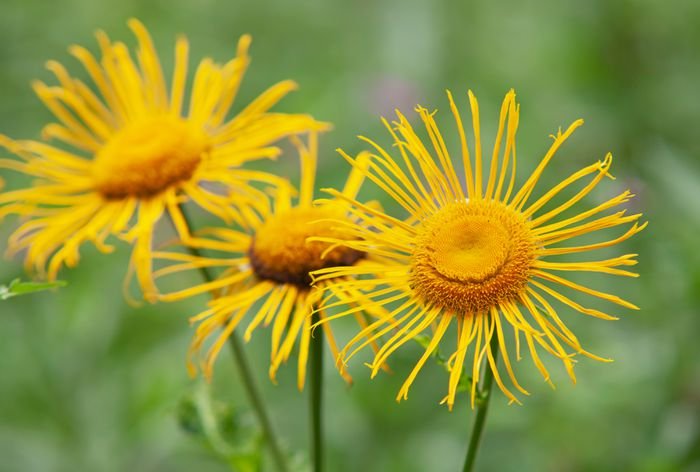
280, 250
471, 256
148, 157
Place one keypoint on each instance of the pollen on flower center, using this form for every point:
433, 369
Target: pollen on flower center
472, 255
279, 250
149, 156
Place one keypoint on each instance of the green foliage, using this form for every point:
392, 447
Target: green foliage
229, 433
221, 429
17, 287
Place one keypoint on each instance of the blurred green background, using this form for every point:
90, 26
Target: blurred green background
89, 383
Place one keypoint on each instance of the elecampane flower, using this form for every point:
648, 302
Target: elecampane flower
267, 271
131, 151
474, 251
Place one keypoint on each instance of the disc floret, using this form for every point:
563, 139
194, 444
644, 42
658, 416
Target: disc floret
471, 256
148, 157
279, 251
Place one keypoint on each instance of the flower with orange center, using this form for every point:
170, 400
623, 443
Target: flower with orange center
130, 152
473, 251
266, 271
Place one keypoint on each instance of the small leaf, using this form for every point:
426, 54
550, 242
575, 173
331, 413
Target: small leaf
188, 416
221, 429
17, 287
424, 341
465, 384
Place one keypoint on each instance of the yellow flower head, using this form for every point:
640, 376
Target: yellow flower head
130, 151
267, 271
474, 251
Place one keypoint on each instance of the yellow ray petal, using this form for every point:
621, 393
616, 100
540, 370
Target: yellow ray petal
430, 348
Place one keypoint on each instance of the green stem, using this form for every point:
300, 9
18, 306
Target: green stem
481, 410
247, 378
256, 401
316, 396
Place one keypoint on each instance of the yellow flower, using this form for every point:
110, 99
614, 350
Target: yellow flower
132, 152
475, 252
270, 265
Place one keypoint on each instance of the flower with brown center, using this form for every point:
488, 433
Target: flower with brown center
129, 153
266, 271
280, 250
473, 251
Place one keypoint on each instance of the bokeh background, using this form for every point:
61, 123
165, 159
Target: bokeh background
89, 383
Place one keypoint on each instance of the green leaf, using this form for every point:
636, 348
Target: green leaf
220, 428
17, 287
424, 341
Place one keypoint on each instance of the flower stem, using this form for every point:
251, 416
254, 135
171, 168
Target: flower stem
481, 410
256, 401
316, 396
247, 378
